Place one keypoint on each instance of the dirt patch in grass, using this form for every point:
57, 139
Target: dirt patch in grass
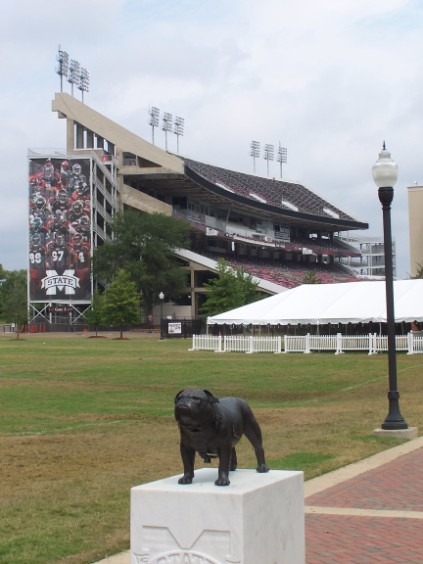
96, 336
76, 485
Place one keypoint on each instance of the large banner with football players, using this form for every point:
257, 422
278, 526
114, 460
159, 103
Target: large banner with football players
59, 230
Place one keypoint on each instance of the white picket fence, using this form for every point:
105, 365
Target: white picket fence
239, 343
236, 343
412, 343
206, 343
415, 342
371, 343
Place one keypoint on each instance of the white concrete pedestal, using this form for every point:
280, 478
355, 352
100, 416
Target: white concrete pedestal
257, 519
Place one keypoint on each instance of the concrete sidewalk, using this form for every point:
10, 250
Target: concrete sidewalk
365, 513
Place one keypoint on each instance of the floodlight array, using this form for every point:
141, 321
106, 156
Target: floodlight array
167, 125
63, 66
255, 149
154, 120
73, 72
179, 125
255, 152
167, 122
154, 116
84, 82
282, 154
269, 152
178, 129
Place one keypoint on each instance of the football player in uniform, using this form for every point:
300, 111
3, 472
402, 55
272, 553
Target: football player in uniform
46, 182
58, 225
83, 227
37, 263
80, 258
61, 203
64, 172
75, 177
58, 258
77, 211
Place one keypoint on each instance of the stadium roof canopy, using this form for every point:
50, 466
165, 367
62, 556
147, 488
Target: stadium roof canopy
292, 202
150, 174
352, 302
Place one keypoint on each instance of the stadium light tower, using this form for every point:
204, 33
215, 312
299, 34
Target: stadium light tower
63, 67
178, 129
74, 73
167, 125
282, 156
84, 82
385, 174
269, 152
255, 153
154, 120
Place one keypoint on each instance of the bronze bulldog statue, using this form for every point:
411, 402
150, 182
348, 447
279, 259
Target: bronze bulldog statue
212, 427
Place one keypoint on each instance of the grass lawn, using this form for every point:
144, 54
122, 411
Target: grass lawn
82, 420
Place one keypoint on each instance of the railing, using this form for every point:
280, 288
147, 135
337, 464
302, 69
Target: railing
266, 344
236, 343
239, 343
372, 343
356, 343
297, 344
415, 342
322, 342
206, 343
381, 343
412, 343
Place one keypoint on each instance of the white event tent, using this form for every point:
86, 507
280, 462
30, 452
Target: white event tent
350, 302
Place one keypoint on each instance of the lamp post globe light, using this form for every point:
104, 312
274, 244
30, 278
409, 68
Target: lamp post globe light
385, 174
161, 298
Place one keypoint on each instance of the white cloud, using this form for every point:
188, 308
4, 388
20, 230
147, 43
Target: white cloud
330, 80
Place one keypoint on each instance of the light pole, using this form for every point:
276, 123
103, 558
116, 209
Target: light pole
161, 298
255, 153
385, 174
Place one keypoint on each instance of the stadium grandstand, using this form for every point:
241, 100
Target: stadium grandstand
276, 230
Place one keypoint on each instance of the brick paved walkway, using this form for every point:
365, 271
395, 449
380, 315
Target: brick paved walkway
372, 517
335, 539
370, 512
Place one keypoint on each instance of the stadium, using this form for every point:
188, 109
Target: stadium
277, 231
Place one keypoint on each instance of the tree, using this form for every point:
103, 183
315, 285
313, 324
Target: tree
143, 246
13, 297
311, 278
419, 272
94, 316
120, 303
232, 288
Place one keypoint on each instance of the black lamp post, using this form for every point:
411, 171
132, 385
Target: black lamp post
161, 298
385, 174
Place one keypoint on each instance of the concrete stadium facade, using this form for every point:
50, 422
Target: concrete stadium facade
276, 230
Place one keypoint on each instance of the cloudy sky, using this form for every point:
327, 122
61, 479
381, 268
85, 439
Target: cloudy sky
328, 79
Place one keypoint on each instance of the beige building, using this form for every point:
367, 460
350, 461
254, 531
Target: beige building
415, 222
